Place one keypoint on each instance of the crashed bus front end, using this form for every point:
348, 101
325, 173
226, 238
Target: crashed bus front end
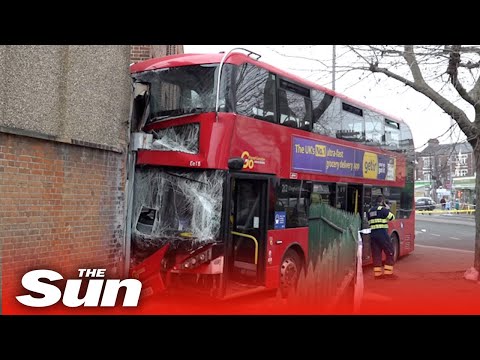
176, 191
176, 229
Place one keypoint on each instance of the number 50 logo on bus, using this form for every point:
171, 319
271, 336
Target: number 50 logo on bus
250, 161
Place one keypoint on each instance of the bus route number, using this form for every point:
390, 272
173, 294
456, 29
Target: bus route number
195, 163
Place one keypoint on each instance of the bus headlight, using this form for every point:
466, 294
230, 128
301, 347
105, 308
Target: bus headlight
197, 259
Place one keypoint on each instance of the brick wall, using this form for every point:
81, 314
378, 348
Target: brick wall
144, 52
61, 208
140, 53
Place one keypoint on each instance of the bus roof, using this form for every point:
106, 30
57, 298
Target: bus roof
238, 58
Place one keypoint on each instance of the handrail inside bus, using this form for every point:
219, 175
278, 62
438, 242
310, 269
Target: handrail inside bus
251, 238
220, 68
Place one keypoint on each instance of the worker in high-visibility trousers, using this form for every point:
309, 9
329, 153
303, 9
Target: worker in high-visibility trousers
378, 217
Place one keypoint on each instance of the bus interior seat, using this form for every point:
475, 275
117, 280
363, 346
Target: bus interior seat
290, 123
270, 118
259, 117
305, 126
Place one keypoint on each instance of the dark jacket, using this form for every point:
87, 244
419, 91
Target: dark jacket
378, 217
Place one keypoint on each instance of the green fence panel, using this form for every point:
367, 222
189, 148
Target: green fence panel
332, 255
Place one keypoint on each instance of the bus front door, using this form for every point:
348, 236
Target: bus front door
246, 255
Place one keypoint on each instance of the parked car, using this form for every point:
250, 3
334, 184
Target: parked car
425, 203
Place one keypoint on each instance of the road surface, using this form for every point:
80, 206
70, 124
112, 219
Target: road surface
446, 231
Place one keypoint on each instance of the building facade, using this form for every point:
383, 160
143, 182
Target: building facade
63, 138
63, 142
439, 166
145, 52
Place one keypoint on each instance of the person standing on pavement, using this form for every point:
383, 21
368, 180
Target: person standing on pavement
443, 202
378, 217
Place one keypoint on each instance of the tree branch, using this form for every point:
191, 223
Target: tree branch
376, 68
422, 87
469, 65
452, 70
411, 60
385, 50
358, 54
470, 49
475, 94
300, 57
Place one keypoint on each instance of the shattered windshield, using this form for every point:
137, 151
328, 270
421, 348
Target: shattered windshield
182, 138
176, 206
180, 90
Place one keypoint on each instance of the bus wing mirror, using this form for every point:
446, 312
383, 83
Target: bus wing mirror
235, 163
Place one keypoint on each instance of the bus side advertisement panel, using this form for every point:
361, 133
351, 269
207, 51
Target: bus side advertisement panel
333, 159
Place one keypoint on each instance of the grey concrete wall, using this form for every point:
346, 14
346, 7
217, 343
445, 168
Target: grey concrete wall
2, 81
67, 92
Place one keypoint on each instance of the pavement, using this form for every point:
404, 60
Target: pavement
431, 281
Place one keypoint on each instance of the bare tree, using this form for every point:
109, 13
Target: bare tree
446, 74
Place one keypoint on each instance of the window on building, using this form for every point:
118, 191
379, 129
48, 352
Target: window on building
463, 172
462, 159
426, 161
426, 176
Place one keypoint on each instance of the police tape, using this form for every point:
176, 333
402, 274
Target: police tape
470, 211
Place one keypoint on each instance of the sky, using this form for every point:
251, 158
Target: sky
425, 119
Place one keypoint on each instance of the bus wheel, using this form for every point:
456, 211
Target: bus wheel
396, 246
289, 272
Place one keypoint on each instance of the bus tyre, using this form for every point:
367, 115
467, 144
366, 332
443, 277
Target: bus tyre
289, 272
396, 246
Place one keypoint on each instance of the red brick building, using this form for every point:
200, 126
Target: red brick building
63, 141
61, 206
144, 52
442, 162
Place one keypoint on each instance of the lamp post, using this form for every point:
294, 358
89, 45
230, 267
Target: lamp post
436, 176
334, 57
432, 178
450, 174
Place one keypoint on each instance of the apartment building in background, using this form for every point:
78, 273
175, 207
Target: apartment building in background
445, 169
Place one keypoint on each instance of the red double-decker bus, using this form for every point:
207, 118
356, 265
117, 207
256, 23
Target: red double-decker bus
227, 153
